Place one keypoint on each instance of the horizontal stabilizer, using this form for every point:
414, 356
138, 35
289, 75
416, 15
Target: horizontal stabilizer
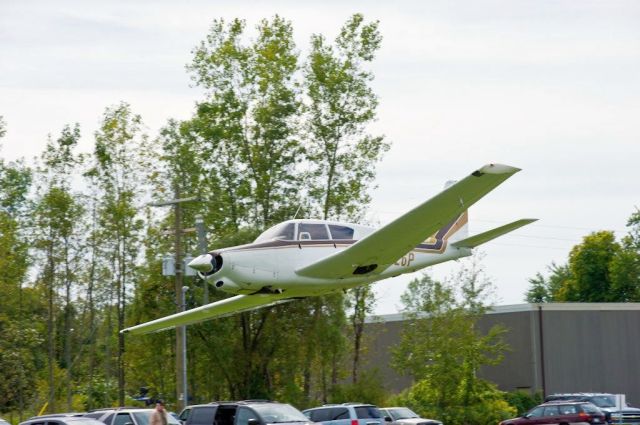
484, 237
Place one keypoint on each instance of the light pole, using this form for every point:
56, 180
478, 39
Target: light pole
181, 359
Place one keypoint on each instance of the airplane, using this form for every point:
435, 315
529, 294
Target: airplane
302, 258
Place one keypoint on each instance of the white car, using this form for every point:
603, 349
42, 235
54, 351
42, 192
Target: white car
405, 416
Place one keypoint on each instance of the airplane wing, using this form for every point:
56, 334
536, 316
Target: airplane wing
489, 235
228, 306
385, 246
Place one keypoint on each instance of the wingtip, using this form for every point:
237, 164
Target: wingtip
498, 169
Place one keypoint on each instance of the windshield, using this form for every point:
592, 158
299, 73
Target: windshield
142, 417
603, 401
282, 231
402, 413
279, 413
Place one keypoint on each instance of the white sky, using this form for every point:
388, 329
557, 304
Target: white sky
552, 87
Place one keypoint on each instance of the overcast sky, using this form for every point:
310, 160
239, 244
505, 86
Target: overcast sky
552, 87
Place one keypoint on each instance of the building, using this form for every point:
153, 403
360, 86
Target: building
554, 347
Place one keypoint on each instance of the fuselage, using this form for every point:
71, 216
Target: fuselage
269, 264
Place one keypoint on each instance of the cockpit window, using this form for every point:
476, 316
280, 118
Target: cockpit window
341, 232
282, 231
313, 231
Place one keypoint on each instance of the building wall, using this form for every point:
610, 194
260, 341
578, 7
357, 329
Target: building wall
584, 348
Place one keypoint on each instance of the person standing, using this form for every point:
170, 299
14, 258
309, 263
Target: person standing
159, 415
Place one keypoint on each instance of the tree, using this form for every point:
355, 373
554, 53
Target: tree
341, 104
547, 289
442, 348
119, 158
251, 112
58, 216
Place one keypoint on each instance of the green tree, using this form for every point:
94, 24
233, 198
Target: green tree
547, 289
341, 103
442, 348
57, 216
624, 268
119, 155
250, 114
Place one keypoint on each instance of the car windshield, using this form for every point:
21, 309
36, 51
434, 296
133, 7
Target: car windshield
603, 401
279, 413
142, 417
402, 413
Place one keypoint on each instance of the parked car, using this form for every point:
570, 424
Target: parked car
405, 416
605, 402
346, 414
60, 420
560, 412
248, 412
3, 422
56, 415
125, 416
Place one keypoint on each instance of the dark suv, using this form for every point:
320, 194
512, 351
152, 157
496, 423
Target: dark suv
560, 412
605, 402
249, 412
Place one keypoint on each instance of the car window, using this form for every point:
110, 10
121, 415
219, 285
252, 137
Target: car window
243, 415
319, 415
536, 413
122, 418
278, 413
366, 412
202, 415
551, 411
94, 415
108, 419
340, 232
589, 408
184, 415
568, 409
603, 400
339, 413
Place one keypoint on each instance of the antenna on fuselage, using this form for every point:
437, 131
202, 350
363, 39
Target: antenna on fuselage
297, 211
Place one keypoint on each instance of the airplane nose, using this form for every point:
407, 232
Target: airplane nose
203, 263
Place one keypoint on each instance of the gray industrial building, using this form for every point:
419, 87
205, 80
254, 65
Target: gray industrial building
554, 347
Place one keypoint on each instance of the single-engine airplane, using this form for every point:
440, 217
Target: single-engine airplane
302, 258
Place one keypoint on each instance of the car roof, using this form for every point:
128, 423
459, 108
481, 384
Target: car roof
68, 419
557, 402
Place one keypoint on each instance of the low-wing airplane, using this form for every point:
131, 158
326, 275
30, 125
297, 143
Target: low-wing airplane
302, 258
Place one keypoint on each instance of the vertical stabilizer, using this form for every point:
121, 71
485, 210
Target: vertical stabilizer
460, 229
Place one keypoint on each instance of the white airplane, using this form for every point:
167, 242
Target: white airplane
302, 258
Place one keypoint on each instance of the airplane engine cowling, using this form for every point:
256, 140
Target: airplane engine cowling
207, 264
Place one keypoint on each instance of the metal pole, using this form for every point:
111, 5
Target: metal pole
180, 330
184, 351
202, 249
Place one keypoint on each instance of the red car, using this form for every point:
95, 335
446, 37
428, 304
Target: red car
560, 412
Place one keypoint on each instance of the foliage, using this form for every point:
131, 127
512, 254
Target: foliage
81, 255
600, 269
442, 348
523, 401
486, 407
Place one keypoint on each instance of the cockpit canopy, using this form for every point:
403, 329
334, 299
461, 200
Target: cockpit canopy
292, 231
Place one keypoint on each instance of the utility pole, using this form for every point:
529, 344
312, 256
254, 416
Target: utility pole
202, 249
181, 331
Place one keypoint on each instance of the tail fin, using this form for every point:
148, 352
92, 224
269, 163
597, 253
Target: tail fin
460, 228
